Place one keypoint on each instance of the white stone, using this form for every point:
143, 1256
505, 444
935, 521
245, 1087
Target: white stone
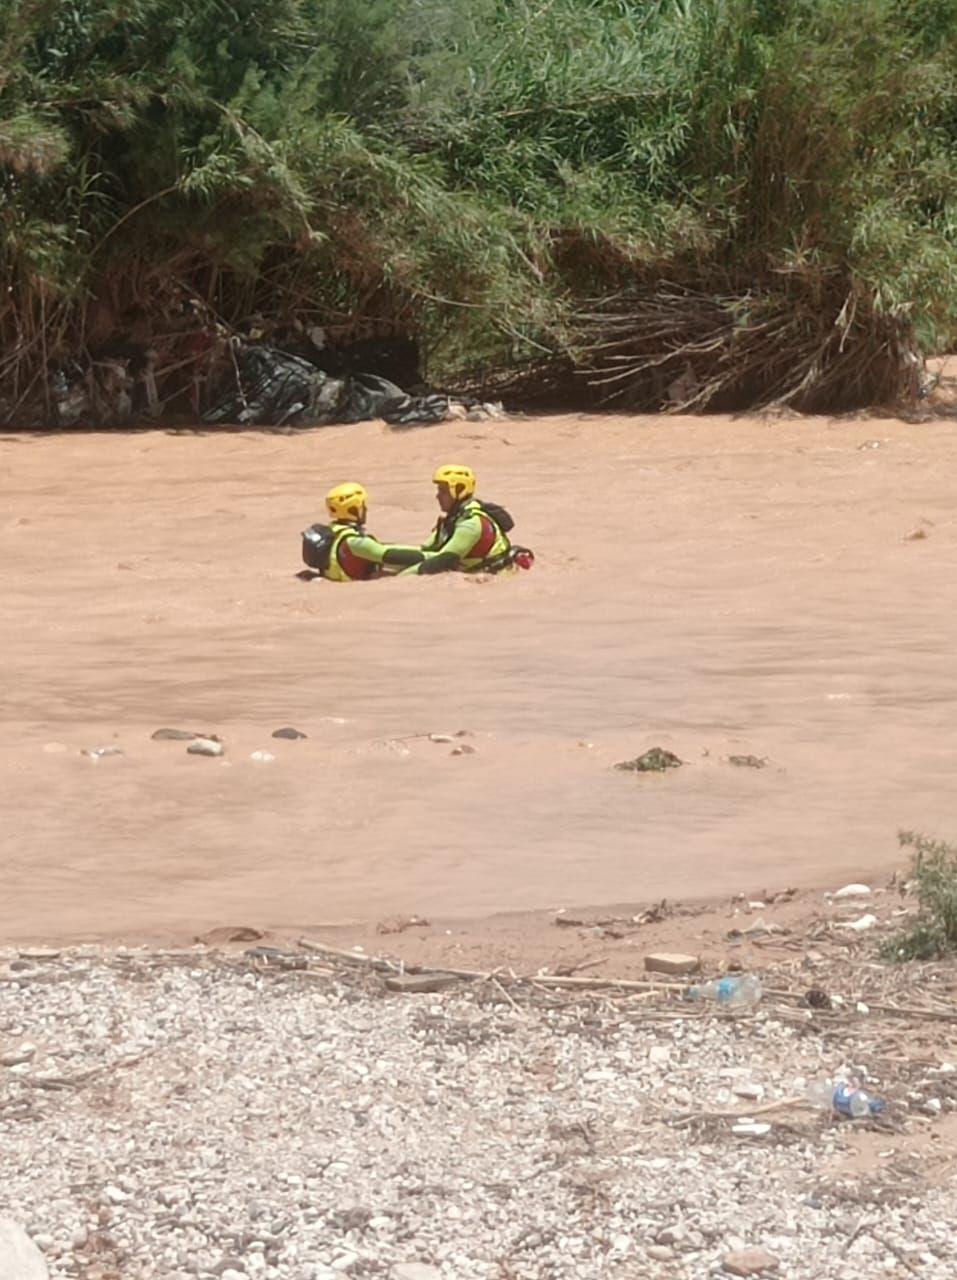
16, 1057
205, 747
415, 1271
752, 1092
262, 757
674, 962
861, 925
751, 1129
20, 1259
854, 891
659, 1054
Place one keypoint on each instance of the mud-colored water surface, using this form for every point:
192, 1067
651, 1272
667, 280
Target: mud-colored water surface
716, 587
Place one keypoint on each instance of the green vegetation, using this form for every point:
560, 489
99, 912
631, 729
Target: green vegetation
757, 198
934, 933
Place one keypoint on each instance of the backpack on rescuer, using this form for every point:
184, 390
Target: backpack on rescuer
515, 556
501, 517
317, 543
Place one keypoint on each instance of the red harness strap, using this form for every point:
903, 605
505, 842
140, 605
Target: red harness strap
354, 566
486, 540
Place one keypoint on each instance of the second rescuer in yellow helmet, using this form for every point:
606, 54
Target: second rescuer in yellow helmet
470, 536
343, 551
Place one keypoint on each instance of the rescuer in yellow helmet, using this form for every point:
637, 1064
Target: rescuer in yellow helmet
470, 535
342, 550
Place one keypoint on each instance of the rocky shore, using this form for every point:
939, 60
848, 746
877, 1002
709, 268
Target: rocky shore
276, 1115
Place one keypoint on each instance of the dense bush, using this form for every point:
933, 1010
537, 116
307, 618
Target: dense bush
757, 195
934, 873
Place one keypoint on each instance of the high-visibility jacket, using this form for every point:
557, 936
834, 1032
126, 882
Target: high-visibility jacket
356, 555
468, 535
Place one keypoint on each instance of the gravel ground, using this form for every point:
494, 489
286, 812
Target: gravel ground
193, 1115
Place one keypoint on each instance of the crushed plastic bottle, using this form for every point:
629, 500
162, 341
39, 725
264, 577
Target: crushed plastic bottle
732, 992
844, 1098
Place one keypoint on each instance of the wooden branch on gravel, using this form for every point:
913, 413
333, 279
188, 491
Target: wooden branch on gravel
354, 957
382, 965
739, 1113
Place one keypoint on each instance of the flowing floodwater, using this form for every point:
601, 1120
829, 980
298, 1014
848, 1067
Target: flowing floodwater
709, 585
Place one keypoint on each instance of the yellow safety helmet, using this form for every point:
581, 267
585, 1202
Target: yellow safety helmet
460, 480
346, 501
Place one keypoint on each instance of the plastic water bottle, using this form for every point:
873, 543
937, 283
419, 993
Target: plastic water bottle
732, 992
844, 1098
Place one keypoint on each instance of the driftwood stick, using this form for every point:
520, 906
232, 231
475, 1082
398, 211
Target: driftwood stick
619, 984
742, 1112
515, 1005
386, 966
354, 957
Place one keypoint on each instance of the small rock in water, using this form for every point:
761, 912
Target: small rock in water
399, 924
290, 733
462, 750
656, 760
441, 737
262, 757
96, 753
205, 747
20, 1259
175, 735
748, 762
230, 933
749, 1262
854, 891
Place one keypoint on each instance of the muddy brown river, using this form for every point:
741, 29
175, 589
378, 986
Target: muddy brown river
713, 586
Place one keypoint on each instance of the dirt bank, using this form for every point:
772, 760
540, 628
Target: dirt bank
714, 586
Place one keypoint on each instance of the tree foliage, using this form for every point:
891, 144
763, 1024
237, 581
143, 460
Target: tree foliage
495, 177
